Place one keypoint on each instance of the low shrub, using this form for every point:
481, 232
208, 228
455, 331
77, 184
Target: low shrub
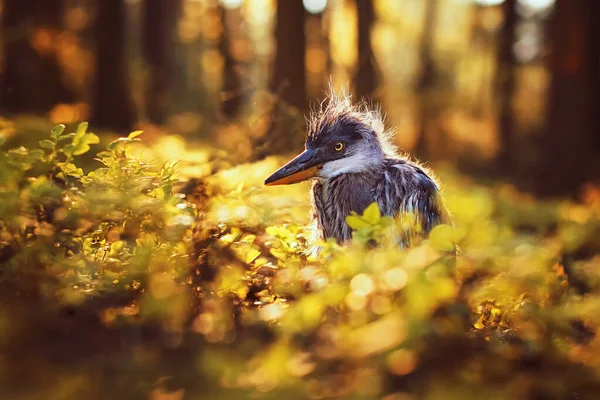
129, 280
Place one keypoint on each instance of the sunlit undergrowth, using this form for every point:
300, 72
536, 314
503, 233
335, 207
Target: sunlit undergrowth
191, 280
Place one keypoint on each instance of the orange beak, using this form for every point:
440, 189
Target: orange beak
301, 168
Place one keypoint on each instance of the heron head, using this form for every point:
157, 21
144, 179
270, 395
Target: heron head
342, 138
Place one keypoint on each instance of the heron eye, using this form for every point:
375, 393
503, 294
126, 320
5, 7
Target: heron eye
339, 146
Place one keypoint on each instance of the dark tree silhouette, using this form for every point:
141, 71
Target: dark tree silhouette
232, 98
428, 74
594, 67
505, 81
567, 155
289, 72
365, 79
112, 105
31, 80
159, 41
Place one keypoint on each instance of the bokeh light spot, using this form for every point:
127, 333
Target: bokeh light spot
401, 362
231, 4
315, 6
395, 278
362, 285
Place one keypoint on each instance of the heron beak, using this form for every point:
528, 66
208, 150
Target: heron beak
301, 168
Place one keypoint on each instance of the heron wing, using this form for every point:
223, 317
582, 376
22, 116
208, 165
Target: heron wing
407, 191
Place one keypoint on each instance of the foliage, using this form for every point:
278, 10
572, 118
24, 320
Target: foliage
128, 281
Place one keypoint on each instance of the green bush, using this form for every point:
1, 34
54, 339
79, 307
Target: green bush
129, 281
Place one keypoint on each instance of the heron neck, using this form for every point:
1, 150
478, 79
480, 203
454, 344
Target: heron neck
356, 163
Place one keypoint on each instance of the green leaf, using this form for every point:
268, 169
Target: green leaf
2, 140
57, 131
91, 138
356, 222
104, 154
71, 169
68, 136
46, 144
78, 138
135, 134
82, 129
372, 213
37, 154
113, 145
80, 149
68, 149
21, 151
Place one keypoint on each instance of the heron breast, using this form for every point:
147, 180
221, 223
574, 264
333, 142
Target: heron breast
337, 198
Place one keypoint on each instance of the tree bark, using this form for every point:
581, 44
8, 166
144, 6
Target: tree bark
113, 107
159, 41
567, 147
505, 81
31, 81
365, 80
594, 68
289, 72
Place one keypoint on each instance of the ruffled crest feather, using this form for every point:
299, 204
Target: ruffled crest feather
337, 110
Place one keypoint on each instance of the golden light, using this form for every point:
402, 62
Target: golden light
362, 285
395, 278
381, 305
43, 41
315, 6
489, 2
355, 302
162, 286
344, 35
401, 362
300, 365
271, 312
231, 4
316, 60
538, 4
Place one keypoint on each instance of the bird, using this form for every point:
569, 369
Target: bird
350, 157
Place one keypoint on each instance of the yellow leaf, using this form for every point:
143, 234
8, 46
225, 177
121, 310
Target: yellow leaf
442, 238
251, 255
91, 138
135, 134
356, 222
277, 253
478, 324
249, 239
372, 213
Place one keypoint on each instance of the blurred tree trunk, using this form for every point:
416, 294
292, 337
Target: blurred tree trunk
232, 86
113, 107
289, 72
159, 41
31, 80
505, 81
572, 121
365, 80
427, 78
594, 35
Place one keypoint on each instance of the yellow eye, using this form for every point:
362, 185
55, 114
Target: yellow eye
339, 146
